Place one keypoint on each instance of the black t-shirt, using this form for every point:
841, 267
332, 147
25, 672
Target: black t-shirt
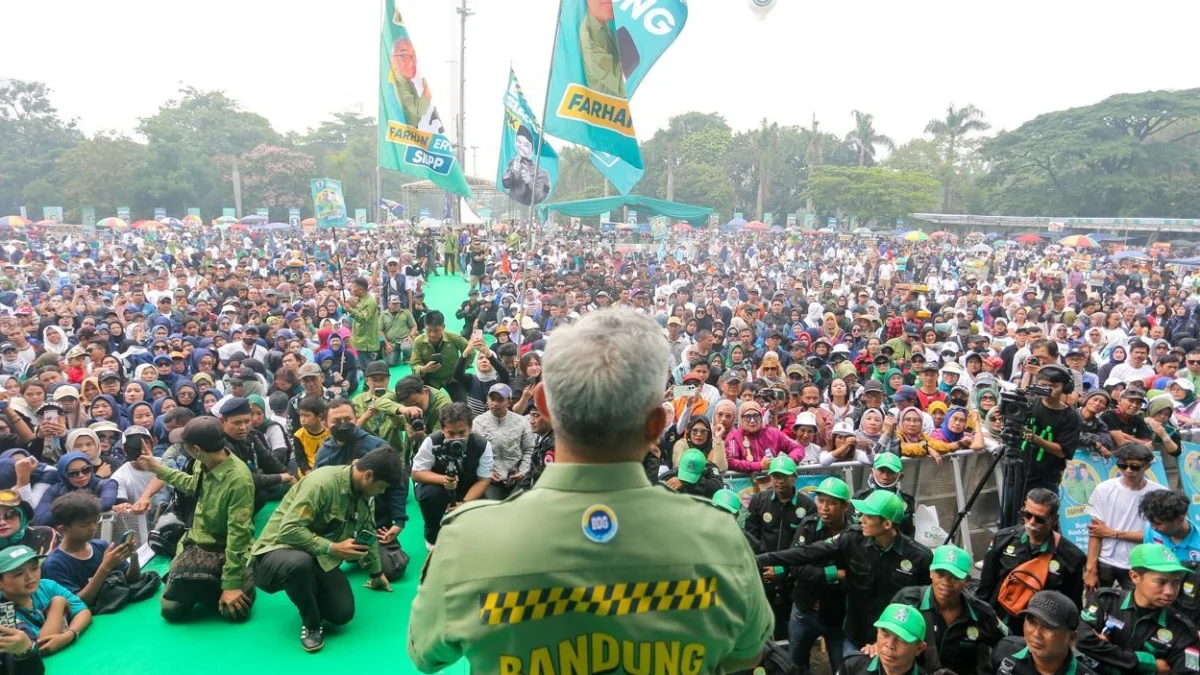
478, 264
1135, 426
1057, 426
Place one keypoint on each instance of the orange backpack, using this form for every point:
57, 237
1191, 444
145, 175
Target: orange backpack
1025, 580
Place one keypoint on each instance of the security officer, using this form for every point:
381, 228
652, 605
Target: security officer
901, 641
886, 473
592, 571
818, 597
1050, 620
961, 628
872, 559
774, 515
1138, 631
695, 476
1016, 545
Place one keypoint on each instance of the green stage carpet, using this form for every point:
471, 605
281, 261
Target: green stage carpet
137, 640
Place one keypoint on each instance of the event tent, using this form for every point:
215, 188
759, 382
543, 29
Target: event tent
594, 207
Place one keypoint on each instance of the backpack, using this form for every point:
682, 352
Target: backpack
1024, 580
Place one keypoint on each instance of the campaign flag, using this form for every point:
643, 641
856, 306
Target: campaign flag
631, 217
1087, 470
832, 220
768, 218
603, 53
294, 217
606, 217
54, 213
123, 213
160, 213
360, 216
262, 211
329, 206
228, 212
791, 221
1189, 474
714, 218
193, 211
412, 139
519, 148
88, 216
737, 215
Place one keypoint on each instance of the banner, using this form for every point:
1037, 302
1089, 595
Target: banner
832, 221
228, 212
604, 51
1189, 474
262, 211
53, 213
805, 482
1087, 470
88, 216
714, 219
360, 216
606, 217
193, 211
123, 213
631, 217
412, 139
659, 226
519, 141
294, 217
768, 219
160, 213
791, 221
329, 206
810, 221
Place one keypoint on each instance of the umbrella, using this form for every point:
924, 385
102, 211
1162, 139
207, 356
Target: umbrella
14, 221
863, 230
1181, 242
1004, 242
736, 222
755, 226
940, 235
142, 224
1078, 241
993, 235
975, 234
915, 235
112, 223
980, 248
45, 223
1029, 239
224, 220
777, 229
174, 222
192, 220
1131, 255
309, 222
682, 227
251, 220
825, 230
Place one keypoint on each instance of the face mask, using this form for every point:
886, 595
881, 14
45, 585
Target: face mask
343, 432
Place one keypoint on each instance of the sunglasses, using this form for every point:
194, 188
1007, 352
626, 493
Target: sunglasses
1125, 466
1040, 520
752, 417
1193, 362
85, 471
10, 514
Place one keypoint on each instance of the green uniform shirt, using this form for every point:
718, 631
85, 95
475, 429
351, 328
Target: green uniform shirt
364, 334
593, 570
397, 325
451, 348
384, 423
319, 510
224, 513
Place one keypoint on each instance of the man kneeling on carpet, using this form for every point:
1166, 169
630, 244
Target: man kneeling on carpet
210, 567
325, 519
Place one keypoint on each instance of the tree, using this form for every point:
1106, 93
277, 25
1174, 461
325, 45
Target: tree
863, 138
105, 171
871, 193
950, 130
765, 145
577, 177
665, 147
32, 138
276, 177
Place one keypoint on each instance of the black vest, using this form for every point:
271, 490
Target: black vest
468, 466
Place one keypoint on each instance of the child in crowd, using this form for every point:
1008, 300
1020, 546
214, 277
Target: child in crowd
50, 614
312, 432
81, 563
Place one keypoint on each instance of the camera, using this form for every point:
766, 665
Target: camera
450, 454
1015, 408
418, 424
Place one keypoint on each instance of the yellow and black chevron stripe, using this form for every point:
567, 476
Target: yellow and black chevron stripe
510, 607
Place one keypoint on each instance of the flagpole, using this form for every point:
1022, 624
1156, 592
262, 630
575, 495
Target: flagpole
379, 117
537, 161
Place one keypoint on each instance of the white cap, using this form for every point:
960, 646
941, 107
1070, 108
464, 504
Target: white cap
1185, 383
805, 419
952, 367
840, 348
843, 428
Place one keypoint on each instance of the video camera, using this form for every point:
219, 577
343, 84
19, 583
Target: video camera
449, 455
1015, 408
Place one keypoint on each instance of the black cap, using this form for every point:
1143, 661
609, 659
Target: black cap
108, 375
251, 328
1053, 609
243, 374
203, 432
235, 406
378, 368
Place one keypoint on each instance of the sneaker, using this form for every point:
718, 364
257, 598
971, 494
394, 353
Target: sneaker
312, 639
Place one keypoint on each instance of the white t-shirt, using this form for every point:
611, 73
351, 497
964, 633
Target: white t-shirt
131, 482
1127, 373
1117, 506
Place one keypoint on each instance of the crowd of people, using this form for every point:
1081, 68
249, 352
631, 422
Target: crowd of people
195, 381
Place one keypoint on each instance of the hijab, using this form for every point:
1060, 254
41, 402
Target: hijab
706, 446
945, 433
62, 346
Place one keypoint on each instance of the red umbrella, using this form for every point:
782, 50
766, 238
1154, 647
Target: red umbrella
682, 227
1029, 239
939, 235
755, 226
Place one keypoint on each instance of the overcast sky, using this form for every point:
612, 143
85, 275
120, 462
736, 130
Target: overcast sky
296, 62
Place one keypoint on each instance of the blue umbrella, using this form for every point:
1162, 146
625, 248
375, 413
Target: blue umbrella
777, 229
171, 222
1131, 255
736, 222
993, 235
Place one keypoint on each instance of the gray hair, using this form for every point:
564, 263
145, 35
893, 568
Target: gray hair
603, 376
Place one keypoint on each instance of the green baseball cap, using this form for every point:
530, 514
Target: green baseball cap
834, 487
728, 500
14, 556
782, 464
1156, 558
888, 460
953, 560
903, 621
691, 466
883, 503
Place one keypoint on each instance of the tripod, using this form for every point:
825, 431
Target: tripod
1011, 499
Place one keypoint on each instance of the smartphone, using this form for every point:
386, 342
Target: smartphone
133, 448
365, 536
128, 536
8, 615
377, 393
436, 358
50, 416
683, 391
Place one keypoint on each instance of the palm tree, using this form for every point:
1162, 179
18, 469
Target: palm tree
958, 123
864, 138
765, 142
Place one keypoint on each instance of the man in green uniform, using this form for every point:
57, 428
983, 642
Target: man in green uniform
1049, 641
324, 520
598, 46
376, 410
961, 628
592, 570
772, 518
419, 401
901, 631
398, 326
450, 252
818, 596
213, 557
364, 334
436, 351
1139, 631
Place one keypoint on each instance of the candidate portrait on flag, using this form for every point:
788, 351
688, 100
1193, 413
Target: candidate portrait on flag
409, 87
518, 175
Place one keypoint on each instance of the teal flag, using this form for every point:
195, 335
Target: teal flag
123, 213
88, 217
329, 206
519, 148
412, 139
603, 53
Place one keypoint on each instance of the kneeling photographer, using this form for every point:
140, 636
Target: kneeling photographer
452, 466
